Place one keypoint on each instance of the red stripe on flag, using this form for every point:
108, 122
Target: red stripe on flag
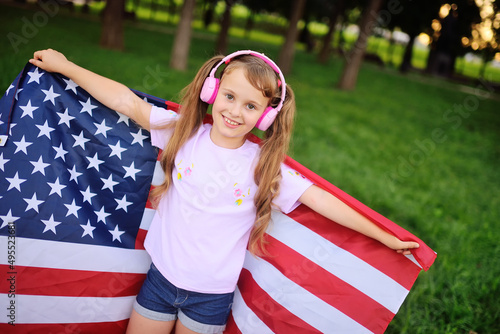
317, 281
398, 267
231, 327
64, 282
115, 327
139, 240
268, 310
172, 106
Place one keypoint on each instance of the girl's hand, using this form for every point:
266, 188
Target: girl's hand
402, 247
49, 60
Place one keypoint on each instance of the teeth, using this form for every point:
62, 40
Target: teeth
230, 122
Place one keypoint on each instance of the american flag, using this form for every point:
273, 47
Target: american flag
74, 183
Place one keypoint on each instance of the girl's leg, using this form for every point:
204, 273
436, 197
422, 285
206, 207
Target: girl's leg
181, 329
139, 324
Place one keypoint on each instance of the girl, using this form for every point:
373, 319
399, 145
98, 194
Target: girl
219, 188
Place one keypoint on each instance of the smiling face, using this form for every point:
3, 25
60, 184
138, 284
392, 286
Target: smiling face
237, 108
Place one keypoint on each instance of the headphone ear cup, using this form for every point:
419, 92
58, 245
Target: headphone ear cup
266, 119
209, 90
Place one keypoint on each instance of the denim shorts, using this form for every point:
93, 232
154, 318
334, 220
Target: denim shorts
201, 312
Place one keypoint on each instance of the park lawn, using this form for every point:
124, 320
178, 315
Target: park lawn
422, 151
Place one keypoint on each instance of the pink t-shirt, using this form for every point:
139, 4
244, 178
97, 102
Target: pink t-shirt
199, 234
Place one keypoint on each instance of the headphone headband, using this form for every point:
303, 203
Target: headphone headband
266, 59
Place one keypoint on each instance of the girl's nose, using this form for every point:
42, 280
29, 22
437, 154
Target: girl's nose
235, 110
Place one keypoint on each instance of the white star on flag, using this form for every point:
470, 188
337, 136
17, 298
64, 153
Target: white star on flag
45, 130
15, 182
122, 203
80, 140
17, 93
109, 183
88, 230
33, 203
50, 95
102, 128
70, 84
116, 150
22, 146
116, 233
56, 187
94, 162
28, 109
35, 76
123, 118
3, 162
102, 215
87, 106
9, 218
12, 125
74, 174
65, 118
60, 152
8, 89
131, 171
138, 137
87, 195
39, 166
50, 224
72, 209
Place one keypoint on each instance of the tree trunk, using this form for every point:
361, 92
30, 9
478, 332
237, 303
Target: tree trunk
355, 57
221, 46
406, 64
208, 15
325, 51
112, 25
182, 42
285, 59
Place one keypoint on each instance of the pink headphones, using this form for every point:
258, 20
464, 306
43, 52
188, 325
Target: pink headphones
211, 86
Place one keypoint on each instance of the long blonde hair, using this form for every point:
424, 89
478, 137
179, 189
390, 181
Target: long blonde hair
274, 145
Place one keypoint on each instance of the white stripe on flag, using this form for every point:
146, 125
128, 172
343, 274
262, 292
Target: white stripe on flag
66, 255
61, 310
147, 218
158, 175
299, 301
338, 261
412, 258
245, 319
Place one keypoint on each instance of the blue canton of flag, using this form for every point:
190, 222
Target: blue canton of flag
70, 168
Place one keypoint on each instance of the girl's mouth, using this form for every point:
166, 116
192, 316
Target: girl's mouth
230, 122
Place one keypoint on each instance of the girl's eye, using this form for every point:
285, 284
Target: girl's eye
229, 97
250, 106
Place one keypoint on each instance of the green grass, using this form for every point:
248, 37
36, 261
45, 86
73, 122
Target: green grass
397, 143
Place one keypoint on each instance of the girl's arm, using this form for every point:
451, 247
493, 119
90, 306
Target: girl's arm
332, 208
112, 94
